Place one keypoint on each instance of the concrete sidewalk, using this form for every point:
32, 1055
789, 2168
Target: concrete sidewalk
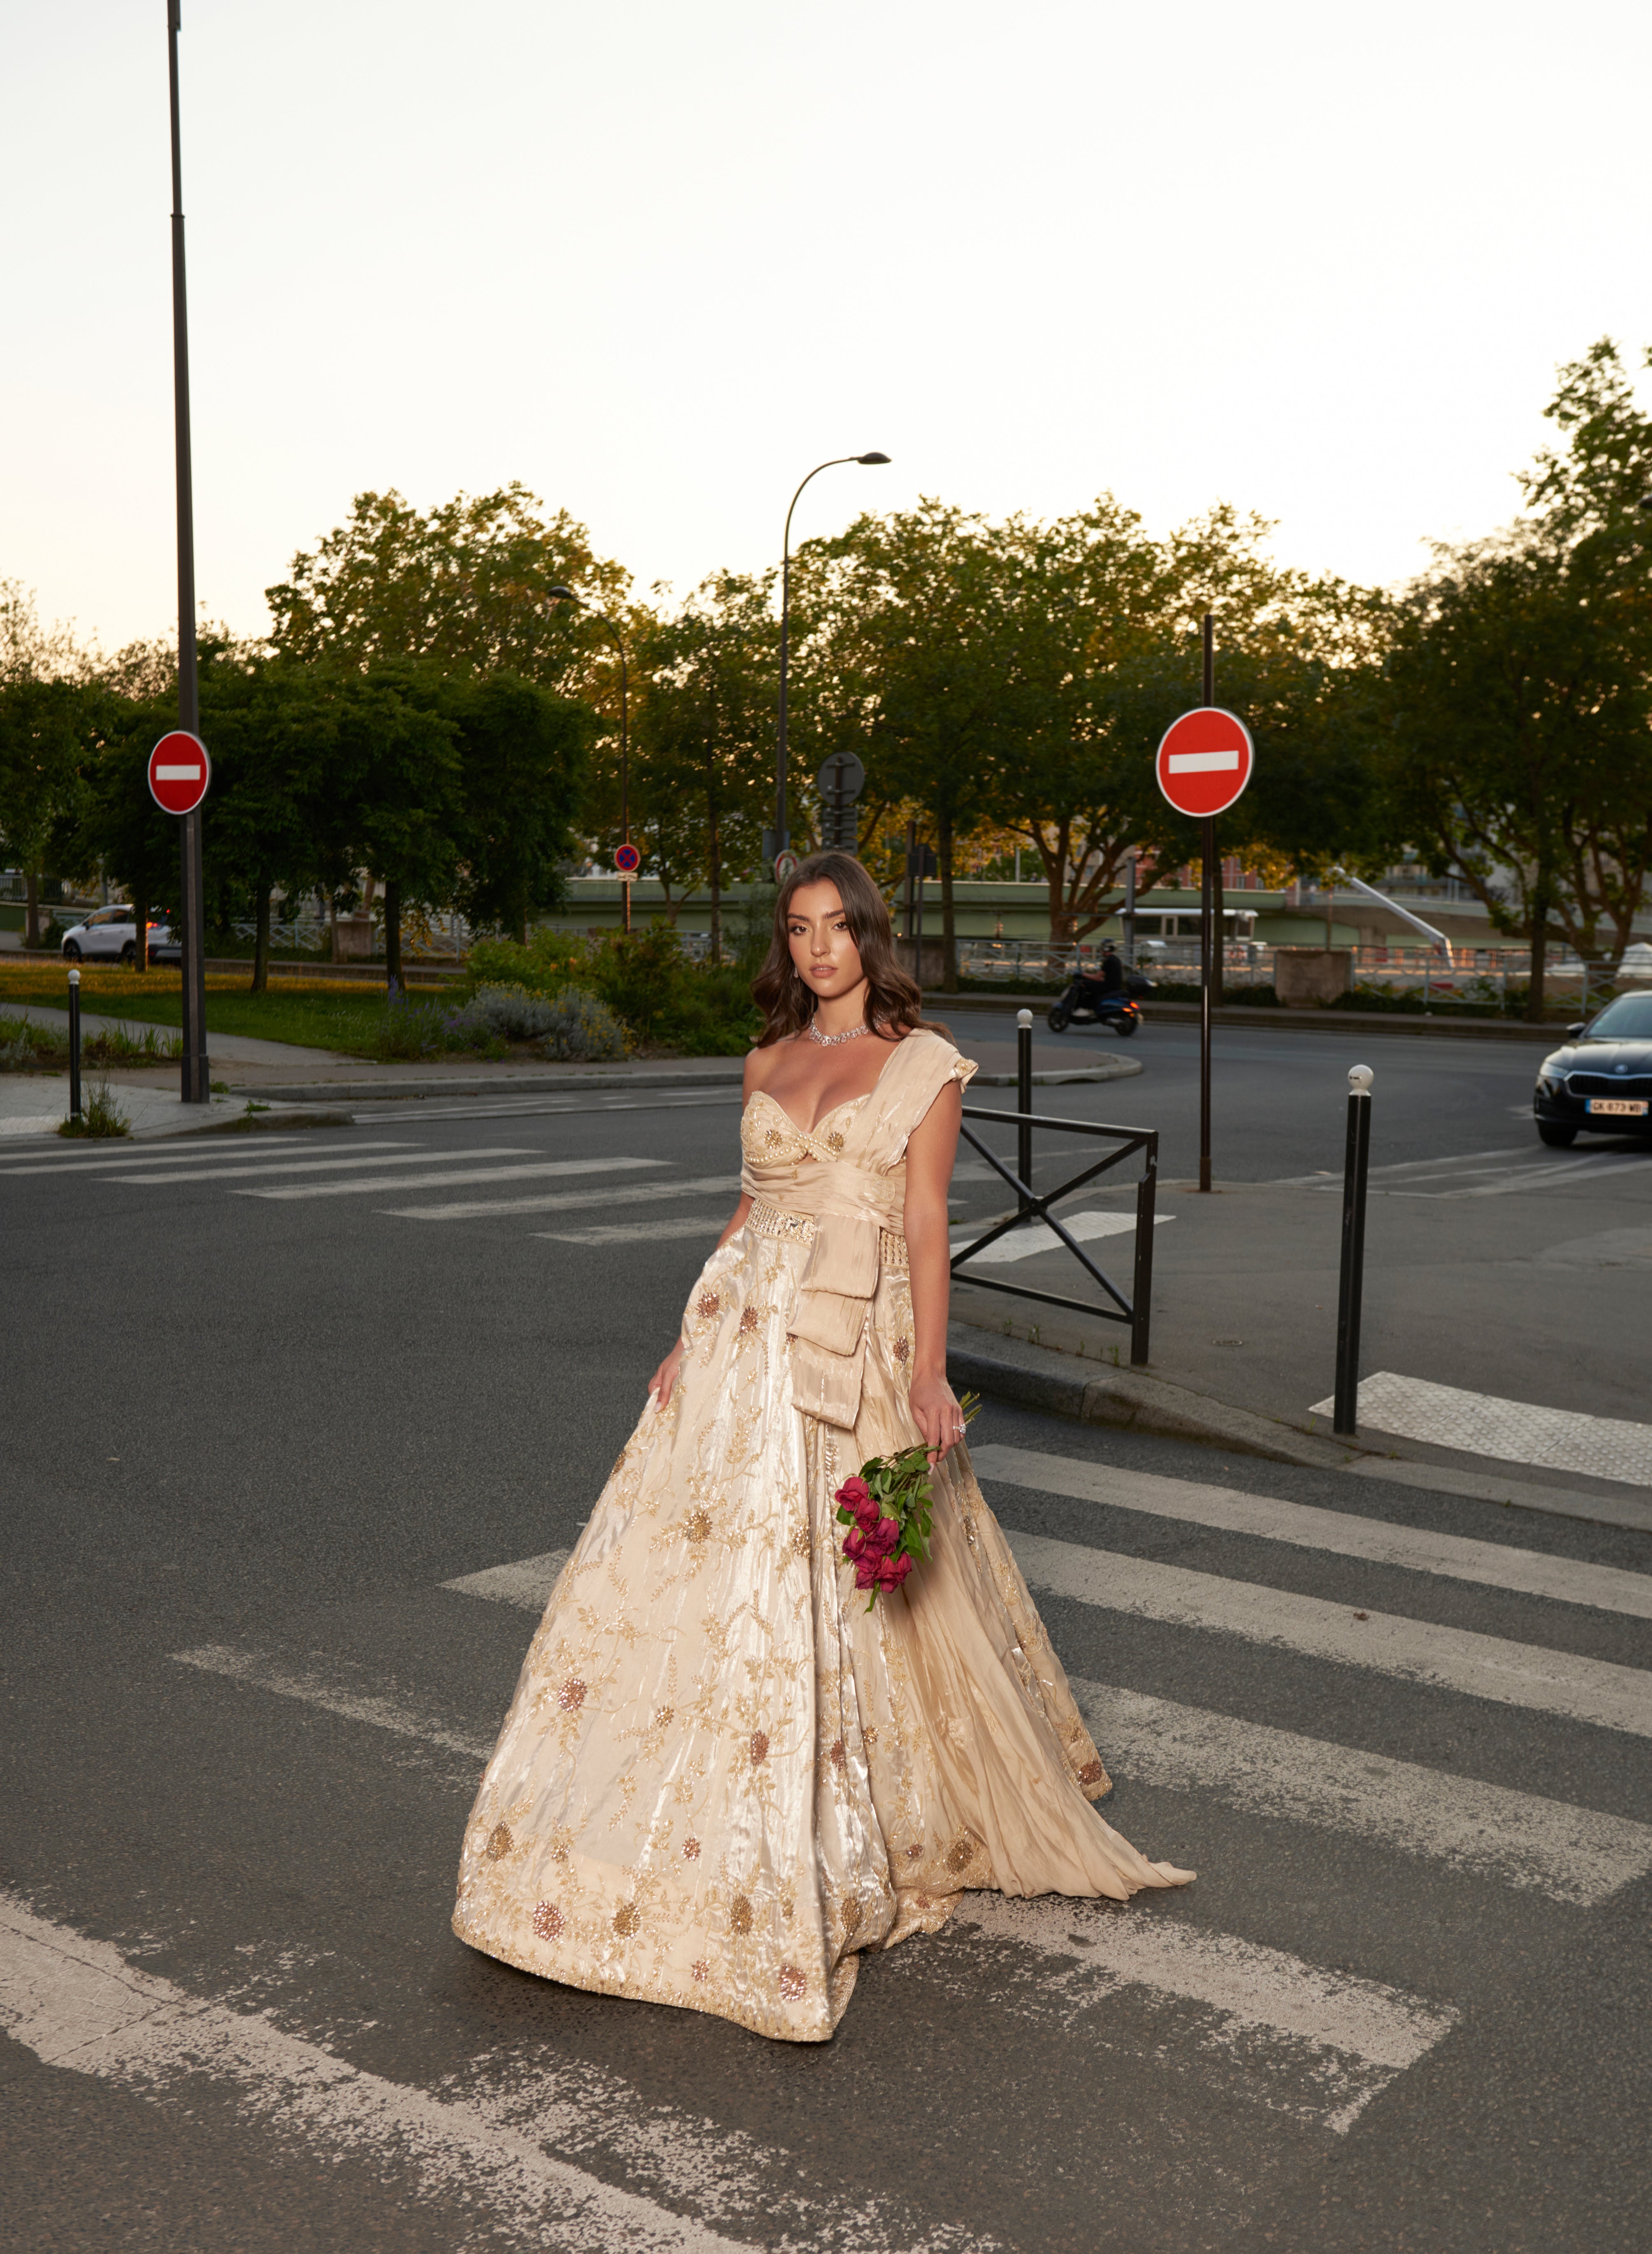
38, 1103
1512, 1279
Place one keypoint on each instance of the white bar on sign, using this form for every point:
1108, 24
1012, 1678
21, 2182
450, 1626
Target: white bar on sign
179, 774
1189, 762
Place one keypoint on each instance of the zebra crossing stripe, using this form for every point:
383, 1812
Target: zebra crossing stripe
1316, 2045
1491, 1832
1608, 1588
1520, 1839
163, 1161
79, 2005
442, 1181
225, 1169
1545, 1682
703, 1185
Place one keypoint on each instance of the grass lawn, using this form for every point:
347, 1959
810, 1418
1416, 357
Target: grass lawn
319, 1015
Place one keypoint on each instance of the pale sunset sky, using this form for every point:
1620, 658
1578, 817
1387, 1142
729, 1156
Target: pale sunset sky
656, 260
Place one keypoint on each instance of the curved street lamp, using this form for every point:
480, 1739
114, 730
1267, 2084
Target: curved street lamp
566, 595
778, 836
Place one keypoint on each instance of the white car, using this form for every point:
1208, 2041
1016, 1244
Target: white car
112, 934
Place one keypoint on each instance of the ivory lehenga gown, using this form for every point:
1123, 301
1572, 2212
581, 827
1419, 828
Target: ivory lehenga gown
721, 1777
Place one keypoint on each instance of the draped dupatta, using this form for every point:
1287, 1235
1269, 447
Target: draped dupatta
856, 1197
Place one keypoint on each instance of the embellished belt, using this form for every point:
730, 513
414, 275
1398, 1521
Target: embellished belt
775, 1221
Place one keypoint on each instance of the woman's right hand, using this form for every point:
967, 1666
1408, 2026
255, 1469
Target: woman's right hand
663, 1382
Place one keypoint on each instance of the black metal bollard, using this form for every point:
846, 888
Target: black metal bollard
1024, 1103
74, 1044
1345, 1421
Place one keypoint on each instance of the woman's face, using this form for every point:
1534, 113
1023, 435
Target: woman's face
823, 949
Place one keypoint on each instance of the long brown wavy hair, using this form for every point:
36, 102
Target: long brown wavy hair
894, 1006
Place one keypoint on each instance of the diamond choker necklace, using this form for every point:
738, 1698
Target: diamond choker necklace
834, 1040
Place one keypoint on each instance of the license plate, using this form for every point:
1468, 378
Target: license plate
1615, 1107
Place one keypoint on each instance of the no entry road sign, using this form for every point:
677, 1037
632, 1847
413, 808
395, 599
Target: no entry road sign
1205, 762
178, 773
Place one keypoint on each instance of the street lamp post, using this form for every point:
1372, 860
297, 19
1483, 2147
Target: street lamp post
197, 1082
567, 595
778, 838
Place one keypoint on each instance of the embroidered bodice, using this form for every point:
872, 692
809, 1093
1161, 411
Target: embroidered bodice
770, 1137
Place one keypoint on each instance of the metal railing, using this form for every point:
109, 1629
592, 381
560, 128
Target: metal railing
1032, 1207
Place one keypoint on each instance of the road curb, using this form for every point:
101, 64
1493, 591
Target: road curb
1114, 1068
1376, 1022
1137, 1402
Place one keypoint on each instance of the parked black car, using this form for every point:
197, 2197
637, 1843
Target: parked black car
1601, 1082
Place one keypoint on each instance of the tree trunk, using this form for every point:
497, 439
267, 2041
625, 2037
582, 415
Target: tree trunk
32, 910
949, 927
261, 941
1539, 945
392, 937
140, 926
717, 884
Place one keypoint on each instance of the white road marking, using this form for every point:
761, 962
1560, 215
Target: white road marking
227, 1171
444, 1181
1325, 1179
637, 1232
1489, 1831
1022, 1243
1514, 1431
478, 2147
166, 1159
703, 1185
1608, 1588
1571, 1854
1314, 2043
1593, 1691
528, 1583
1555, 1175
338, 1694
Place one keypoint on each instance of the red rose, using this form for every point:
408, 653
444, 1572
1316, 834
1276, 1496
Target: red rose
887, 1536
854, 1543
854, 1494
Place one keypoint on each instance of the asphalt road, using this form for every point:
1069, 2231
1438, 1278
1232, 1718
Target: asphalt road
248, 1437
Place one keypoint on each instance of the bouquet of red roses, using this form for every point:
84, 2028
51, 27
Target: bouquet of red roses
886, 1506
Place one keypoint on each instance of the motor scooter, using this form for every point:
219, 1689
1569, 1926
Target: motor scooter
1088, 1003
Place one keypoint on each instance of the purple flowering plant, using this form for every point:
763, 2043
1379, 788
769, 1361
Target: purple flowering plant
886, 1507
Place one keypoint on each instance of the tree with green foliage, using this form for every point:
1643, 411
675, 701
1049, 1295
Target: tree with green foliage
524, 756
42, 715
1518, 721
908, 626
702, 742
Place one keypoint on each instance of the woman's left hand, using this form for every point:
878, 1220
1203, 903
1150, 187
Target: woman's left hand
936, 1413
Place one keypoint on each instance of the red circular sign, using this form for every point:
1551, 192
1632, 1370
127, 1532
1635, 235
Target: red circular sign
626, 859
178, 773
1205, 762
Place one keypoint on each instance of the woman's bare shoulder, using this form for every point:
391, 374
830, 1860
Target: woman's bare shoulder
760, 1067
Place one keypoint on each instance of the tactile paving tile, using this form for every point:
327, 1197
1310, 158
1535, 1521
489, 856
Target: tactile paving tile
1514, 1431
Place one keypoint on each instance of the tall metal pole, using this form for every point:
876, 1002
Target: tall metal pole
779, 837
197, 1079
1351, 1285
1207, 910
625, 772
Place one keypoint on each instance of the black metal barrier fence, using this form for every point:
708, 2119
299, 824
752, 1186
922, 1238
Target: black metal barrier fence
1030, 1208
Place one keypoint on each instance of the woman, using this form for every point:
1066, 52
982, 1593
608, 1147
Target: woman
722, 1776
